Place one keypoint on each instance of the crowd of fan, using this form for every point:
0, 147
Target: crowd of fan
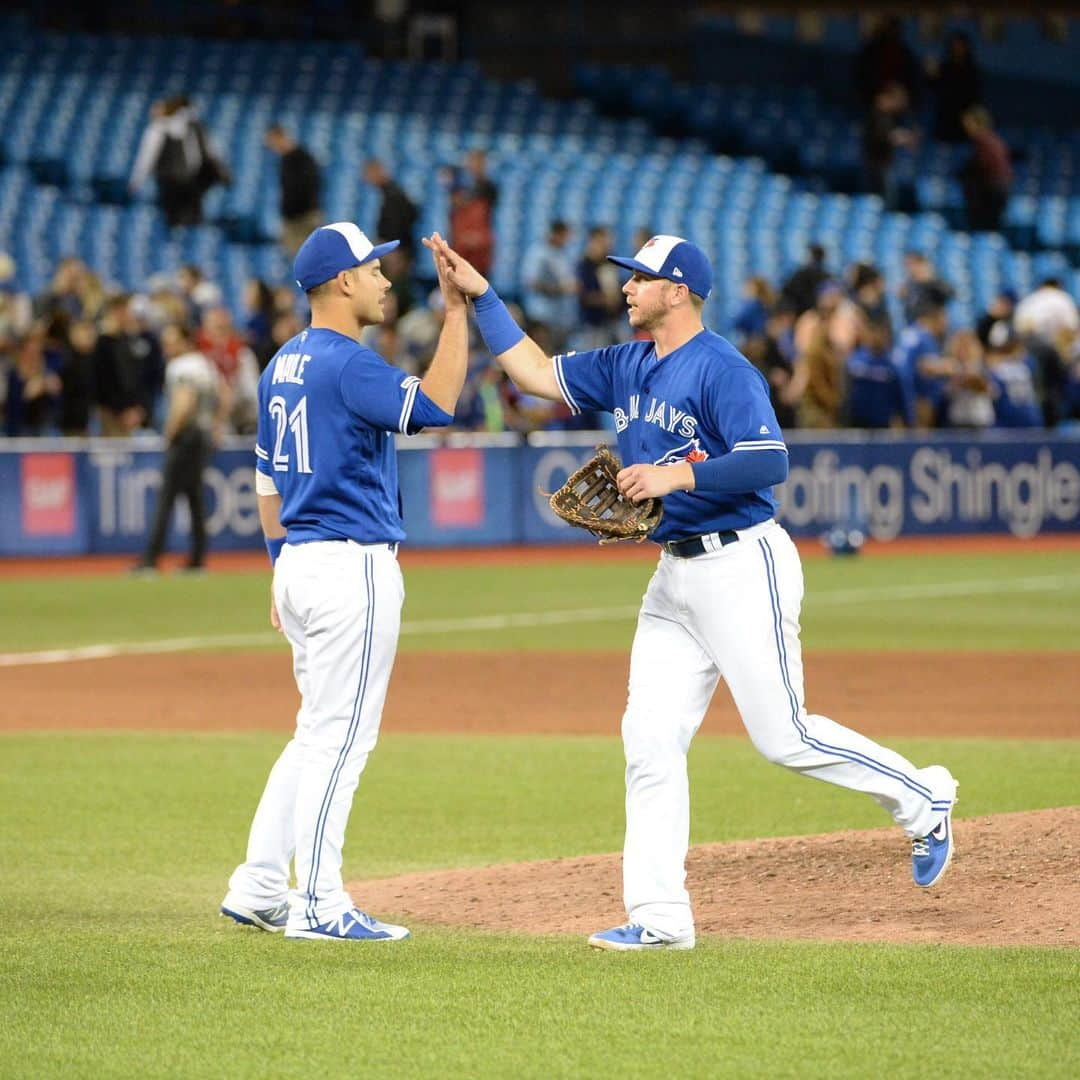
80, 360
834, 357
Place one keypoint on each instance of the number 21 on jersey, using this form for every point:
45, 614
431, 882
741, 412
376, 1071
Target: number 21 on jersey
296, 422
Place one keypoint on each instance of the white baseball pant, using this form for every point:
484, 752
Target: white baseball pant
734, 614
340, 608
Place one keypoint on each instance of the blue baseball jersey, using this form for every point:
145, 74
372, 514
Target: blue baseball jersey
701, 401
911, 346
328, 411
1016, 405
878, 390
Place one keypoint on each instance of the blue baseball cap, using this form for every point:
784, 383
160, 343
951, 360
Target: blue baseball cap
333, 248
673, 258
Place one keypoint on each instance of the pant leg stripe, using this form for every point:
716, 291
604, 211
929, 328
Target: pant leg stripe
350, 738
817, 744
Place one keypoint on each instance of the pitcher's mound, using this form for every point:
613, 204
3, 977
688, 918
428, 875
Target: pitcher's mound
1013, 881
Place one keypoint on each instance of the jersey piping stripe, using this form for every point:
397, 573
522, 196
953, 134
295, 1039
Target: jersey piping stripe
350, 738
556, 362
412, 384
817, 744
261, 453
771, 445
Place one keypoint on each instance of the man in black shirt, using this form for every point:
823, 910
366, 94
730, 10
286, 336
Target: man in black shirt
398, 214
300, 188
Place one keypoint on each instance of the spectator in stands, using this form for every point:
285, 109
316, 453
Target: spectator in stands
777, 362
259, 320
1012, 376
988, 174
600, 298
886, 58
867, 289
117, 378
301, 188
751, 316
72, 291
221, 343
550, 288
1071, 397
16, 308
473, 196
880, 393
824, 336
957, 86
919, 353
886, 128
418, 334
77, 378
176, 150
482, 405
34, 388
150, 360
197, 293
969, 403
1048, 322
193, 411
799, 292
1001, 309
921, 286
398, 214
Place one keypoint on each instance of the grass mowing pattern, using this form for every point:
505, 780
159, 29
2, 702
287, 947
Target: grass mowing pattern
114, 964
851, 604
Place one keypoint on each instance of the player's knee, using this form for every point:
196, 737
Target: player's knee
648, 735
778, 749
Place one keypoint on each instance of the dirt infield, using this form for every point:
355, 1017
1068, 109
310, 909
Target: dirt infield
1014, 883
1026, 695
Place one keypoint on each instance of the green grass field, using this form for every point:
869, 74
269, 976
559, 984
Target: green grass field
116, 848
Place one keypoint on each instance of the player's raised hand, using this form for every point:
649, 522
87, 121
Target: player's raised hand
453, 298
639, 482
460, 271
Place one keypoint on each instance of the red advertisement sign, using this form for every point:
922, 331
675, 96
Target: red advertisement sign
457, 488
48, 494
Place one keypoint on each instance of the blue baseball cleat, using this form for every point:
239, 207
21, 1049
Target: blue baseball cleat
931, 854
271, 919
633, 936
354, 925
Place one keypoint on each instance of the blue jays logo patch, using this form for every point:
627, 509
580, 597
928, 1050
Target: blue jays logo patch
689, 451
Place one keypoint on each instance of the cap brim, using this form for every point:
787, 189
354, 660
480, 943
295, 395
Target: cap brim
633, 264
379, 250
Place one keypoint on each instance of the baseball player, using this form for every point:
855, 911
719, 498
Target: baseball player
327, 484
695, 428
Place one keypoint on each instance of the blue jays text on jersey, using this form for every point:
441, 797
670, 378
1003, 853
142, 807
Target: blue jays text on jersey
700, 401
328, 411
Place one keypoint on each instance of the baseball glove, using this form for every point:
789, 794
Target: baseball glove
590, 499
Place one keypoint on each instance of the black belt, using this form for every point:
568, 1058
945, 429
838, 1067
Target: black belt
695, 545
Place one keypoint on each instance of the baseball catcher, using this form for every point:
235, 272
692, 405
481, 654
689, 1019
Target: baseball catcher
590, 499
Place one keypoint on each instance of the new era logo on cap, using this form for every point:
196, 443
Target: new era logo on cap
333, 248
674, 258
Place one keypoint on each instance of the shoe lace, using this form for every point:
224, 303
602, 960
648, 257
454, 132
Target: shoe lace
920, 847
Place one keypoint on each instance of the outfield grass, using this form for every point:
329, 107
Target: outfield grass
1022, 600
117, 848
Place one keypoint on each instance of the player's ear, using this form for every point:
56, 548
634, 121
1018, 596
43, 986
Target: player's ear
345, 281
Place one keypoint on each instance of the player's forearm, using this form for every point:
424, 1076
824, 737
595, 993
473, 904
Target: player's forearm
520, 357
270, 516
741, 471
445, 375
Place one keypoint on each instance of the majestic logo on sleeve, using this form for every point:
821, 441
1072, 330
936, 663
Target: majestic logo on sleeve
689, 451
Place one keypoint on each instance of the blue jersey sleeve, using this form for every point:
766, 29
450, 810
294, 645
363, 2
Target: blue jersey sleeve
380, 395
587, 379
264, 439
738, 407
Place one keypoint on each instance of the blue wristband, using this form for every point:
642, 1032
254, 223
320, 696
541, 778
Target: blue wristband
497, 326
274, 546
